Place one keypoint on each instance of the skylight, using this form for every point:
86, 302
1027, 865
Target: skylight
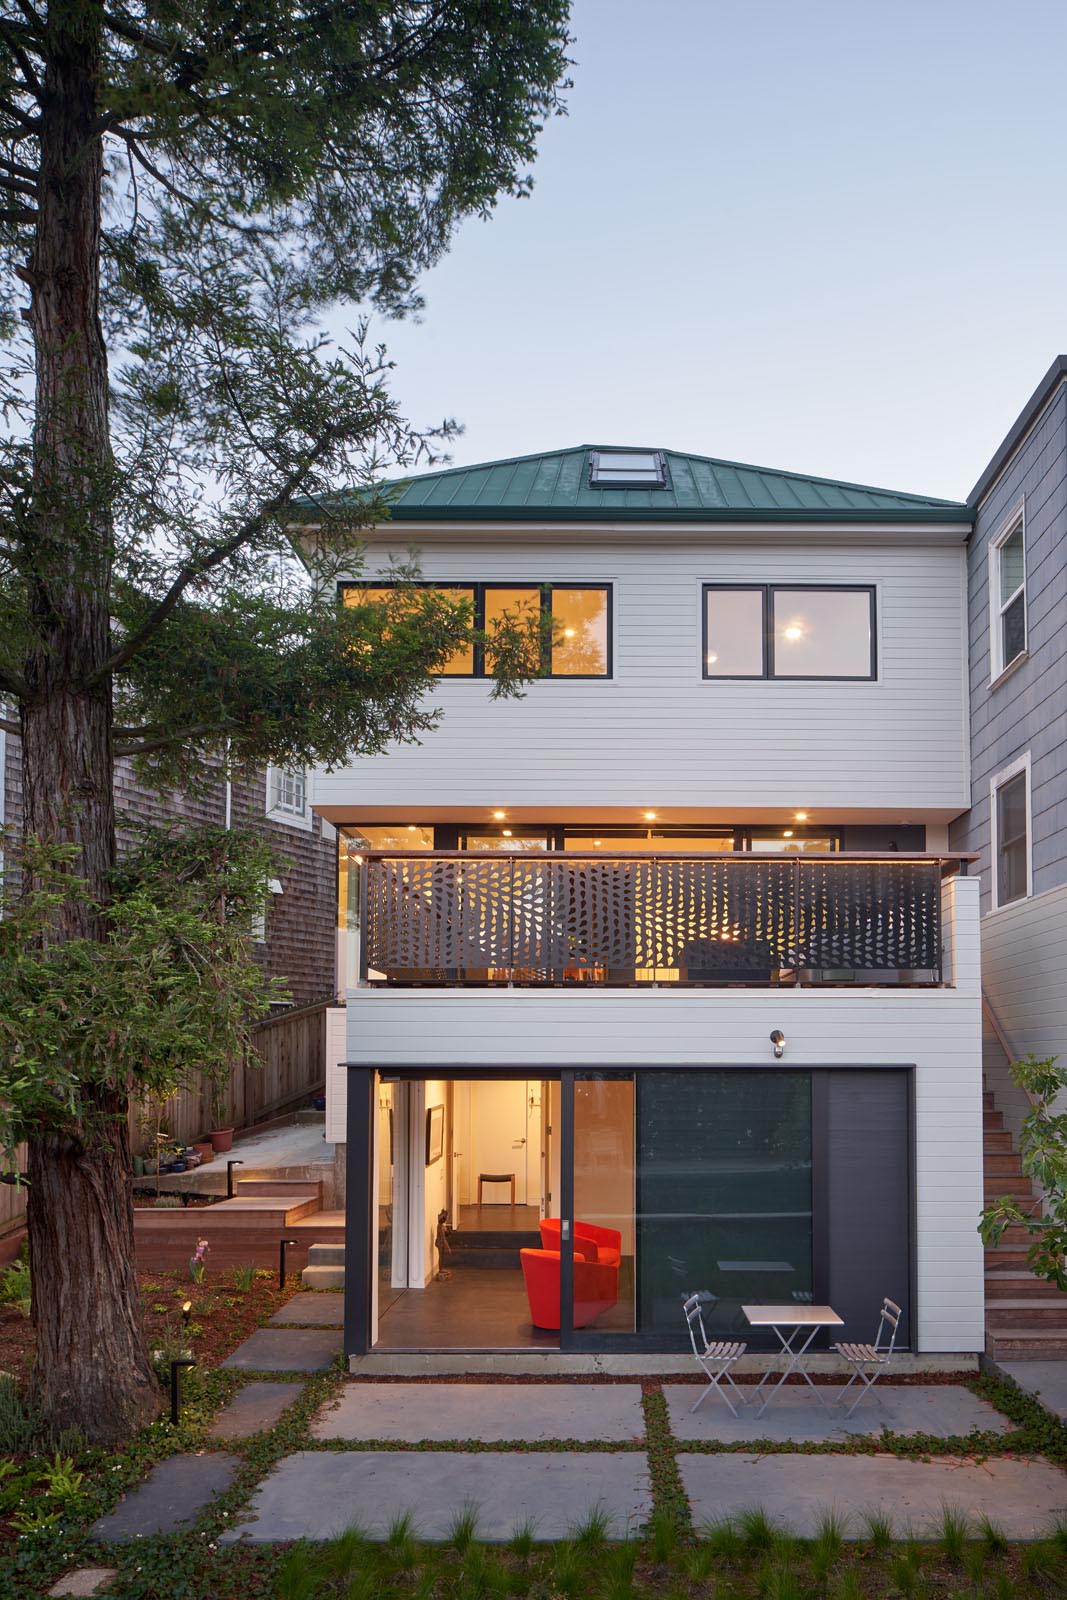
627, 469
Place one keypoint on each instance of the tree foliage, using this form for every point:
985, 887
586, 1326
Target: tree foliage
1043, 1148
168, 996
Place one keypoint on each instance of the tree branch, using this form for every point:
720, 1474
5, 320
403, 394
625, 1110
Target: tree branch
11, 683
17, 214
179, 736
201, 565
7, 726
133, 33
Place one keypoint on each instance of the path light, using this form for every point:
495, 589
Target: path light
229, 1177
186, 1310
281, 1259
778, 1041
175, 1386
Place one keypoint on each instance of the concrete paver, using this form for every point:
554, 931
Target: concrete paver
174, 1493
794, 1413
410, 1412
286, 1350
318, 1494
1046, 1379
314, 1309
1023, 1498
85, 1581
254, 1408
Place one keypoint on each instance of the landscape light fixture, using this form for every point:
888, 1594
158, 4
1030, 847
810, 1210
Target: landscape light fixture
778, 1041
229, 1176
176, 1386
281, 1259
186, 1309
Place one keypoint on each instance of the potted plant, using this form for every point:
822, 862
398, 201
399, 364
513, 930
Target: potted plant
220, 1133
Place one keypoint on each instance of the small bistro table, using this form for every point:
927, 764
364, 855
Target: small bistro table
790, 1323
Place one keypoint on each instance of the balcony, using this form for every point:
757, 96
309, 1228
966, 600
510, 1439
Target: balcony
444, 918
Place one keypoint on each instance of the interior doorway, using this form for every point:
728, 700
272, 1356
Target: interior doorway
473, 1170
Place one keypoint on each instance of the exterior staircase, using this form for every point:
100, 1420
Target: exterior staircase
1026, 1317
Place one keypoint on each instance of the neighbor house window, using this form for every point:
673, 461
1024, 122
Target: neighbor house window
287, 799
1011, 833
627, 469
789, 631
1007, 591
579, 618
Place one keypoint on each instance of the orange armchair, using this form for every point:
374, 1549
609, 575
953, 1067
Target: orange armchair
595, 1244
596, 1288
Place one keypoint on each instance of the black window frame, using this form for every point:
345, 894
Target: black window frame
595, 457
479, 591
768, 591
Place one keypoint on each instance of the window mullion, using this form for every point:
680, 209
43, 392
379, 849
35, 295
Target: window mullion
479, 623
768, 631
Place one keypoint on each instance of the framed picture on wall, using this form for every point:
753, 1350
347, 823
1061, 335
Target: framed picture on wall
435, 1134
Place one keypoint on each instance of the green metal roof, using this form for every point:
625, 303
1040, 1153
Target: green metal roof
554, 487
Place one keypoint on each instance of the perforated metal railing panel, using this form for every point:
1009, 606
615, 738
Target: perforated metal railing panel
540, 919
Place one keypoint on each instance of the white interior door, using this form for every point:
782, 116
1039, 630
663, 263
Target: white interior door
499, 1116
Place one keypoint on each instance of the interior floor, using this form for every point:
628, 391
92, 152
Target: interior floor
498, 1219
481, 1308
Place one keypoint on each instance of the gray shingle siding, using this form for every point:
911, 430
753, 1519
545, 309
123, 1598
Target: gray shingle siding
1028, 710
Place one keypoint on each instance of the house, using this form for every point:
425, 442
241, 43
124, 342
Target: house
678, 946
1016, 825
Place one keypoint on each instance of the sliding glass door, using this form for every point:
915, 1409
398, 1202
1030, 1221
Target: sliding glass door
682, 1182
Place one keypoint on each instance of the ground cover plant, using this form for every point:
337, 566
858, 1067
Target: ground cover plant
52, 1498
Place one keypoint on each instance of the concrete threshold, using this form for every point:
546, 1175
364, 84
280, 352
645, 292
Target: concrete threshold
556, 1363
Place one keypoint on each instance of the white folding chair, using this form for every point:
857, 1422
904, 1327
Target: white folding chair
716, 1357
876, 1356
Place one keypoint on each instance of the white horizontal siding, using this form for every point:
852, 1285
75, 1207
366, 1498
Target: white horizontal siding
658, 734
1024, 959
937, 1031
336, 1082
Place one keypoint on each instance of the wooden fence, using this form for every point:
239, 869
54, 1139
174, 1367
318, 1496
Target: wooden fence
287, 1066
12, 1200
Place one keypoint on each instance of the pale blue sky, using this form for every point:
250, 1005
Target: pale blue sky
825, 235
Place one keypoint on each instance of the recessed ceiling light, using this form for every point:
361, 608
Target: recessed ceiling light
800, 816
788, 833
793, 632
568, 633
650, 816
596, 841
712, 657
412, 828
498, 816
506, 832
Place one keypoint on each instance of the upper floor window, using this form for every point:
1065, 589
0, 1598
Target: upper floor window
1007, 595
1011, 833
287, 799
580, 617
789, 631
627, 469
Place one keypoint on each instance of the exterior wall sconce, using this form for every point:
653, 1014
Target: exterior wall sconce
778, 1041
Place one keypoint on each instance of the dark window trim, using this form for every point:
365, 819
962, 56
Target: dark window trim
448, 834
596, 456
767, 591
479, 590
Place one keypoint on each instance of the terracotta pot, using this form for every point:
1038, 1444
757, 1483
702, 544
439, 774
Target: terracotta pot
221, 1139
205, 1149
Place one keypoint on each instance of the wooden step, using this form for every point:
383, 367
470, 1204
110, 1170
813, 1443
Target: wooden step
992, 1120
1026, 1344
232, 1247
1007, 1183
1005, 1284
996, 1142
277, 1186
1002, 1163
1046, 1312
249, 1211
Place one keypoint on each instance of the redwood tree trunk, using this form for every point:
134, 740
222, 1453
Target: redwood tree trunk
92, 1368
